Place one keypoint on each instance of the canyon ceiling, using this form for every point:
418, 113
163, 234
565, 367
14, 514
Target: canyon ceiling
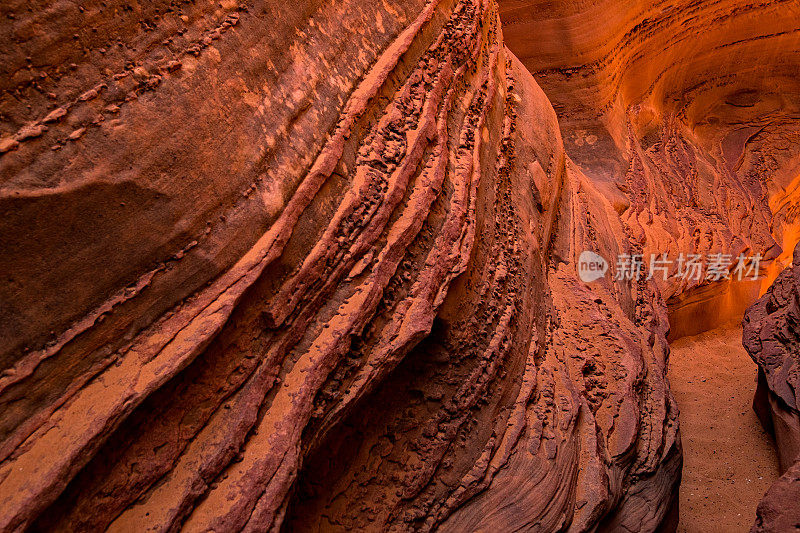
315, 268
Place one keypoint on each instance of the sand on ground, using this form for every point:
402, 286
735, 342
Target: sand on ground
729, 460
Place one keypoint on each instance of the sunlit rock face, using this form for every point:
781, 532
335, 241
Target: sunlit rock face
310, 269
772, 337
315, 269
683, 114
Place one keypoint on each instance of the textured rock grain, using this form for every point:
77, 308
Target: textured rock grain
314, 269
683, 114
312, 274
772, 337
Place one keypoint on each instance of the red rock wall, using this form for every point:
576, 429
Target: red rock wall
682, 113
772, 337
310, 269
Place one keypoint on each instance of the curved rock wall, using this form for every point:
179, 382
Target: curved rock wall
772, 337
682, 113
310, 269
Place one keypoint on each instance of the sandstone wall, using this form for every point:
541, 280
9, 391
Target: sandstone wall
772, 337
682, 113
310, 269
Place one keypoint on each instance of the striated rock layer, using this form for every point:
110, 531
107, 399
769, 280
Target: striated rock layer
310, 269
772, 337
683, 113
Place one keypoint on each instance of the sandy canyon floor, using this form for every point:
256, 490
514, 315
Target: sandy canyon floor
729, 460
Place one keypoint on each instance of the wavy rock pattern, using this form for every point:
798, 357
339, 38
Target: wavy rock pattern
772, 337
311, 274
682, 113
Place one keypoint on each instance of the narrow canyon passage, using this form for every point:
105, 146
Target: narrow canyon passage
729, 460
398, 265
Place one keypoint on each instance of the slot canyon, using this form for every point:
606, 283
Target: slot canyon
400, 265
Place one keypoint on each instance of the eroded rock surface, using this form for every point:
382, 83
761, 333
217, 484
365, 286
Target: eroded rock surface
310, 269
778, 511
314, 269
683, 114
772, 337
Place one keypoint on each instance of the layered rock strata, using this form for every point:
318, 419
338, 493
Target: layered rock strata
683, 114
310, 269
772, 337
